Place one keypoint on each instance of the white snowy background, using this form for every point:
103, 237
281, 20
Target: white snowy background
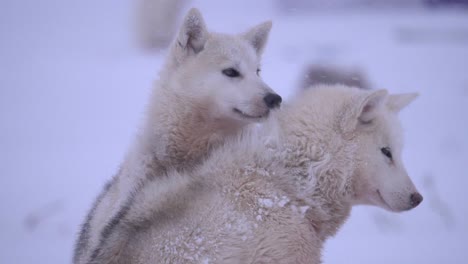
74, 84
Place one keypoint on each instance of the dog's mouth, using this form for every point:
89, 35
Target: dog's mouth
382, 200
245, 115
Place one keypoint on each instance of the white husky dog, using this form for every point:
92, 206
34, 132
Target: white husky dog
208, 91
276, 195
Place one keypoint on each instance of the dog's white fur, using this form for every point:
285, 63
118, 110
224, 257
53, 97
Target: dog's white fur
193, 109
275, 195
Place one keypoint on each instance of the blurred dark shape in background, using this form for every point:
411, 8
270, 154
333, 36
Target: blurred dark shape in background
446, 3
437, 204
416, 35
333, 5
37, 217
315, 74
306, 5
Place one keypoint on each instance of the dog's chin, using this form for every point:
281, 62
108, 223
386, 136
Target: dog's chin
385, 205
250, 116
381, 202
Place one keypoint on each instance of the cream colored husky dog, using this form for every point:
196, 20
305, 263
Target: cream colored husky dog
208, 91
275, 195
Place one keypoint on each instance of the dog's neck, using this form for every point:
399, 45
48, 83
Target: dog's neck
321, 169
180, 130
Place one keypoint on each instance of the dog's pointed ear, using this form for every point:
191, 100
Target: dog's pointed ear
396, 102
258, 36
193, 33
363, 110
369, 106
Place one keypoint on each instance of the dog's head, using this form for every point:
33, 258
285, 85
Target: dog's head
223, 70
380, 178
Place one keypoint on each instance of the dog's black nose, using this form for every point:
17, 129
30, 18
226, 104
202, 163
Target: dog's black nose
272, 100
416, 199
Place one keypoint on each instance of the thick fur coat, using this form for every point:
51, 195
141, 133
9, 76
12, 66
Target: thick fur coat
275, 194
196, 105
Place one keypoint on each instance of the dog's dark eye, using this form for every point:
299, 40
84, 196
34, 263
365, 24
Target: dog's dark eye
258, 71
231, 72
386, 151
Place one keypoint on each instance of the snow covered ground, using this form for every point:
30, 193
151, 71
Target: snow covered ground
73, 86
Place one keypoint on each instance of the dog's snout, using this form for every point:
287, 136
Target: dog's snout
415, 199
272, 100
